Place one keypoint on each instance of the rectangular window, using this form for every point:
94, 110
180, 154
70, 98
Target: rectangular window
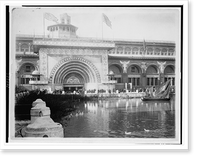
148, 81
138, 81
129, 80
28, 68
156, 81
118, 80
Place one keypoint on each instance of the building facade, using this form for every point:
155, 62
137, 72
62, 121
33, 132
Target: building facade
64, 61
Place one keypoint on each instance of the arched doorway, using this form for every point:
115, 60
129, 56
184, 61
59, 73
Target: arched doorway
117, 71
24, 74
152, 75
73, 82
75, 73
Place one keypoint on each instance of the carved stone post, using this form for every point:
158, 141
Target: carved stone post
41, 124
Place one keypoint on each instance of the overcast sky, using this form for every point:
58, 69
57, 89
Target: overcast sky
127, 23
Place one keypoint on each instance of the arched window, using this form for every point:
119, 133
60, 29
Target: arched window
127, 50
157, 51
169, 74
25, 73
135, 50
24, 47
134, 75
149, 51
119, 50
152, 75
164, 51
117, 71
171, 52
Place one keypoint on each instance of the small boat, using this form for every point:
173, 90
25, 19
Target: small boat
159, 94
154, 99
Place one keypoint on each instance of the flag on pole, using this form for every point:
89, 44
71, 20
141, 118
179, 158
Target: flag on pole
106, 20
50, 17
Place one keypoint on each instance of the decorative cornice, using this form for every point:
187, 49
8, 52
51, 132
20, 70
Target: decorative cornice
70, 43
141, 57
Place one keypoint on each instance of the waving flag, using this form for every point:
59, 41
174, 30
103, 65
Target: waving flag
106, 20
164, 90
50, 17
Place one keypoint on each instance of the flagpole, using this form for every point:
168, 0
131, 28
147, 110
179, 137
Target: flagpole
102, 26
43, 25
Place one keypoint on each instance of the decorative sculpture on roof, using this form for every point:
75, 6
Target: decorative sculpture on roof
17, 64
143, 65
161, 66
125, 65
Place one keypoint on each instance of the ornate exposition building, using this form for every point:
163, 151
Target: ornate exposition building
68, 62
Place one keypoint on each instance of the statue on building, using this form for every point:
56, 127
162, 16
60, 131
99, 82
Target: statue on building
125, 65
143, 66
17, 65
161, 66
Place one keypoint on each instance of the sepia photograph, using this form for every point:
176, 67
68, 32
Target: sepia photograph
96, 74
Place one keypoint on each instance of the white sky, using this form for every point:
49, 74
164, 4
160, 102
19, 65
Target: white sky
127, 23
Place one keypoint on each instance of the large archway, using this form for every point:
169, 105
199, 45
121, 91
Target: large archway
134, 75
75, 72
169, 74
24, 74
152, 74
117, 71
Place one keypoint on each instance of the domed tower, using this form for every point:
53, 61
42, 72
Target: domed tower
64, 29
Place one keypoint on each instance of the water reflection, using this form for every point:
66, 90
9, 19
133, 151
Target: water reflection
121, 118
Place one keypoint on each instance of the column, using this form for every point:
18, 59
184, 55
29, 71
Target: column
149, 81
162, 78
139, 51
29, 47
115, 50
131, 50
124, 77
154, 82
143, 80
123, 49
20, 47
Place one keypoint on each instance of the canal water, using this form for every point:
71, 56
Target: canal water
120, 118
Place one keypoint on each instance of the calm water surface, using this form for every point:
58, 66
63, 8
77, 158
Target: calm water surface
121, 118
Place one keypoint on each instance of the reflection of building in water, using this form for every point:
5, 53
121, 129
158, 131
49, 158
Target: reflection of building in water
69, 62
97, 116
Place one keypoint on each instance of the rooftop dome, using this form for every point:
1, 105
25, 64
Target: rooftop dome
35, 72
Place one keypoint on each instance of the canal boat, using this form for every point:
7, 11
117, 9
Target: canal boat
159, 94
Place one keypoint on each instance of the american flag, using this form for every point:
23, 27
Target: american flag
106, 20
50, 17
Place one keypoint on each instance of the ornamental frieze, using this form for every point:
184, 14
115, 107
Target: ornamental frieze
55, 51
